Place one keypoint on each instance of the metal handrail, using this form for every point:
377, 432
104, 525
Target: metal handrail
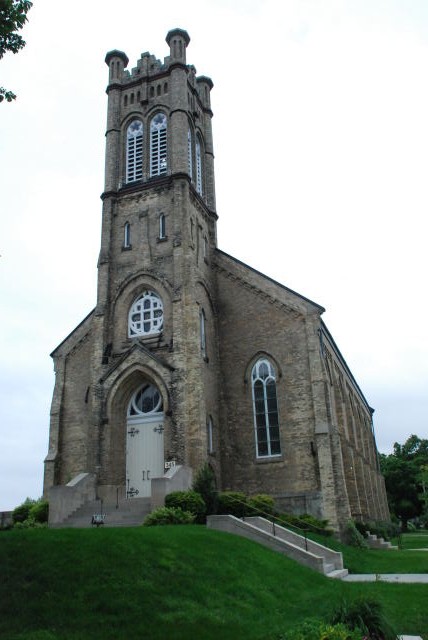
281, 520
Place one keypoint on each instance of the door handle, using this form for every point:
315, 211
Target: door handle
148, 471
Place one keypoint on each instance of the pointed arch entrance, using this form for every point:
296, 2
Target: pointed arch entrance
144, 441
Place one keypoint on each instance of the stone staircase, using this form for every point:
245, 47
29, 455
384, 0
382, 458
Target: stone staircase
278, 538
128, 513
378, 543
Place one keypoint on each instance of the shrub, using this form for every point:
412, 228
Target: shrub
168, 515
205, 485
261, 504
187, 501
353, 537
233, 503
366, 615
39, 511
385, 530
21, 512
305, 521
317, 630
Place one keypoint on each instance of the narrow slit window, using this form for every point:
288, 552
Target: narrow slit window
162, 226
203, 336
126, 235
210, 435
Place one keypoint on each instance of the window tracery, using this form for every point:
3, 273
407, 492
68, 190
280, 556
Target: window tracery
265, 407
146, 315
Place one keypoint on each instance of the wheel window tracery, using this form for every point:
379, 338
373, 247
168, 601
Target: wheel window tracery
146, 315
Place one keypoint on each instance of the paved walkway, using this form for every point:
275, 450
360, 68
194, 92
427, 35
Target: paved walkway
405, 578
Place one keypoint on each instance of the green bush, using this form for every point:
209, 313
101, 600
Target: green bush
31, 513
39, 511
385, 530
306, 522
353, 537
261, 504
21, 512
168, 515
187, 501
365, 615
317, 630
205, 485
233, 503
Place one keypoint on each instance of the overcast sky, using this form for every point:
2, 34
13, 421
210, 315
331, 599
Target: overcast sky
321, 151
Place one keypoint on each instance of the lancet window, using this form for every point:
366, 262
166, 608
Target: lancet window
134, 151
158, 145
198, 166
265, 407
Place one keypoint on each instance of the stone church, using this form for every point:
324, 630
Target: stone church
191, 356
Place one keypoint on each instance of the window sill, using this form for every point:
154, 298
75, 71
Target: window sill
127, 248
162, 239
269, 459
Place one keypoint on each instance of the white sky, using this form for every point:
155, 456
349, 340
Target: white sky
321, 142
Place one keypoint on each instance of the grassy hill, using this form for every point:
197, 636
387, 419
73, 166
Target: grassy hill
166, 583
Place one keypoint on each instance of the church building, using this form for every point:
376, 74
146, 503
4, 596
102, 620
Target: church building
191, 356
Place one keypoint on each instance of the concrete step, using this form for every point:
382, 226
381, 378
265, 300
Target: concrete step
281, 539
338, 574
128, 513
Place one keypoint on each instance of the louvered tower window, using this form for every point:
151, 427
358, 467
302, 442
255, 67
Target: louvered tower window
265, 408
189, 154
158, 145
134, 151
198, 166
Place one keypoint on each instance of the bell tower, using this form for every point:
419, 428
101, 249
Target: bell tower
155, 318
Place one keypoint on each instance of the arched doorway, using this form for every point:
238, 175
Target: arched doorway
144, 441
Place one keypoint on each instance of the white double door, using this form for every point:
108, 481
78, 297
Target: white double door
144, 454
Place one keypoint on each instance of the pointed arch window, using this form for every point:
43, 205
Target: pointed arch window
134, 151
158, 145
198, 166
189, 154
265, 407
146, 315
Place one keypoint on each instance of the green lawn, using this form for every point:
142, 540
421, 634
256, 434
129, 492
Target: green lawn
416, 540
377, 560
163, 583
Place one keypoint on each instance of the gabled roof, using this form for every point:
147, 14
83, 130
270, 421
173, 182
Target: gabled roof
76, 330
318, 307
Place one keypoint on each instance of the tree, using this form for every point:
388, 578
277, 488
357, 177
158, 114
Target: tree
405, 473
13, 16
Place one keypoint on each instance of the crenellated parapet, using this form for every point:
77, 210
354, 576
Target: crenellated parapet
173, 89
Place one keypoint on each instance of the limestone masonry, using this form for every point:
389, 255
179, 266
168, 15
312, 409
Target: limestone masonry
190, 355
